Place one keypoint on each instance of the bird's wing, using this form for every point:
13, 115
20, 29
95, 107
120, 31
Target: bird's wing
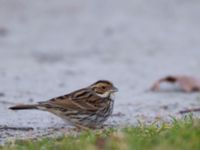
81, 100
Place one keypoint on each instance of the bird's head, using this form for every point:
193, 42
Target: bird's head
103, 88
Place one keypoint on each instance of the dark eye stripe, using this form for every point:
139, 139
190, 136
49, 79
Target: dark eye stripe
99, 92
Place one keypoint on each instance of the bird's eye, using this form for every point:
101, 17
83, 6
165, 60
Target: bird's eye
103, 87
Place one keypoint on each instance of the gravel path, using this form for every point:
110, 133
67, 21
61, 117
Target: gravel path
49, 48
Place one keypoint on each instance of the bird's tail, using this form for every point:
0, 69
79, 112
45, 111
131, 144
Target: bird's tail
21, 107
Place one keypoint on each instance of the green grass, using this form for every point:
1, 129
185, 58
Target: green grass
179, 135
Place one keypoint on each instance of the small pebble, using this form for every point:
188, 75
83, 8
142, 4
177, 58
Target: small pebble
31, 100
2, 94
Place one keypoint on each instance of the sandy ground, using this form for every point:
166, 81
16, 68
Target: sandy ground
49, 48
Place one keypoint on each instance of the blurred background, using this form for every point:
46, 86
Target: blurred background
49, 48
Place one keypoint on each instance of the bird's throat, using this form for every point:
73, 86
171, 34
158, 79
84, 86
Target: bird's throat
106, 95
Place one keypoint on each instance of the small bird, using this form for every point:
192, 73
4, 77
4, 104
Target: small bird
86, 108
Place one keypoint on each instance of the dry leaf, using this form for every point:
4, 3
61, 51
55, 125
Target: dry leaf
187, 83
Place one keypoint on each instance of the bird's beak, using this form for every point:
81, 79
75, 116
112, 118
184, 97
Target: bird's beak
114, 89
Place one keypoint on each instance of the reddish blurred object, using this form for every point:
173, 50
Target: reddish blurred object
187, 83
